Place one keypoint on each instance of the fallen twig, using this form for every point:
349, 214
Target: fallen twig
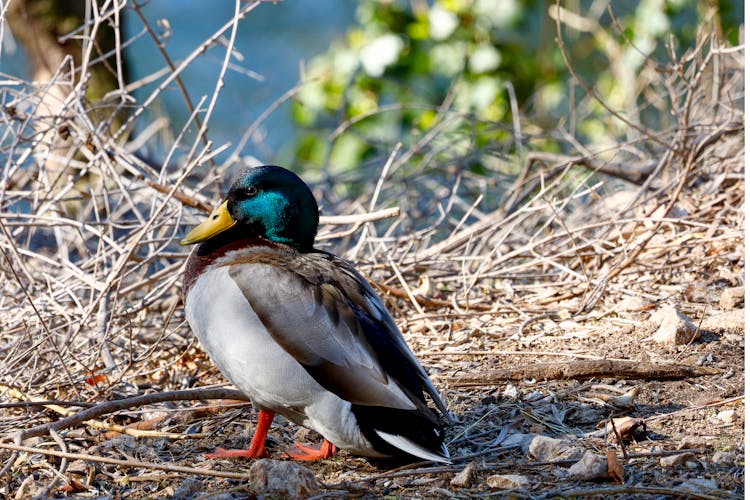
608, 491
86, 416
584, 369
127, 463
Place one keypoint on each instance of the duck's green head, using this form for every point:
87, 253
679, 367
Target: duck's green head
270, 202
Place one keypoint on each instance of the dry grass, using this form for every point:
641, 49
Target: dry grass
91, 311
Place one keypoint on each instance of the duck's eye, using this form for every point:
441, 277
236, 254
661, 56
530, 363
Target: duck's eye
251, 191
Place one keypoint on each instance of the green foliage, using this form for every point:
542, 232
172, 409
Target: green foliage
409, 69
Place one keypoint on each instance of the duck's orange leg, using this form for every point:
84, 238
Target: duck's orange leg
301, 452
257, 445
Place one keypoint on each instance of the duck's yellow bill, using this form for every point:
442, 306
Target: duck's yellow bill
219, 220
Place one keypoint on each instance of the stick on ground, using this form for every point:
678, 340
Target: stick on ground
585, 369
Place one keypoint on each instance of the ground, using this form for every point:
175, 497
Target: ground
697, 420
687, 439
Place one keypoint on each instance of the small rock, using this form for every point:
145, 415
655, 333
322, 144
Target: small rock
723, 458
633, 304
464, 478
510, 392
732, 297
547, 449
29, 488
123, 442
590, 467
78, 467
673, 460
701, 293
517, 440
188, 488
674, 327
700, 484
727, 416
731, 322
691, 442
508, 482
278, 478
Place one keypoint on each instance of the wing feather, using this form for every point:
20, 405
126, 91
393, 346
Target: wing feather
326, 315
315, 325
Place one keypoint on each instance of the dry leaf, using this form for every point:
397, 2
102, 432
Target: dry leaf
614, 468
732, 297
73, 486
141, 425
626, 427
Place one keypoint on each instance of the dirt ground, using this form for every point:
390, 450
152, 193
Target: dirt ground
514, 435
688, 441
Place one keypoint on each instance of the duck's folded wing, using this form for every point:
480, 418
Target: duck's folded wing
309, 316
388, 342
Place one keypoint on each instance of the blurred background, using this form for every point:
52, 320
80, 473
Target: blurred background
396, 65
274, 40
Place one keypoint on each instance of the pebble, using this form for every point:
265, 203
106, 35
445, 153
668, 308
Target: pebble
727, 416
283, 479
674, 327
589, 468
723, 458
674, 460
547, 449
508, 481
691, 442
464, 478
732, 297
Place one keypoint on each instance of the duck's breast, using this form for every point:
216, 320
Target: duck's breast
241, 347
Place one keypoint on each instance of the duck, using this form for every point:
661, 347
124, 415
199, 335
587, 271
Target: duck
301, 332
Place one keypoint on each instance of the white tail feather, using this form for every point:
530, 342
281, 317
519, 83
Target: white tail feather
412, 448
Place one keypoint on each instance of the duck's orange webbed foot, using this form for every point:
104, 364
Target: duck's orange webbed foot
301, 452
257, 445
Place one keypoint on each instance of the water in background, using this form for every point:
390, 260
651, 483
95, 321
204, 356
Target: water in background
274, 39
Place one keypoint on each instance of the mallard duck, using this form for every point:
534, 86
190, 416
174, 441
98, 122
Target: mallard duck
300, 331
